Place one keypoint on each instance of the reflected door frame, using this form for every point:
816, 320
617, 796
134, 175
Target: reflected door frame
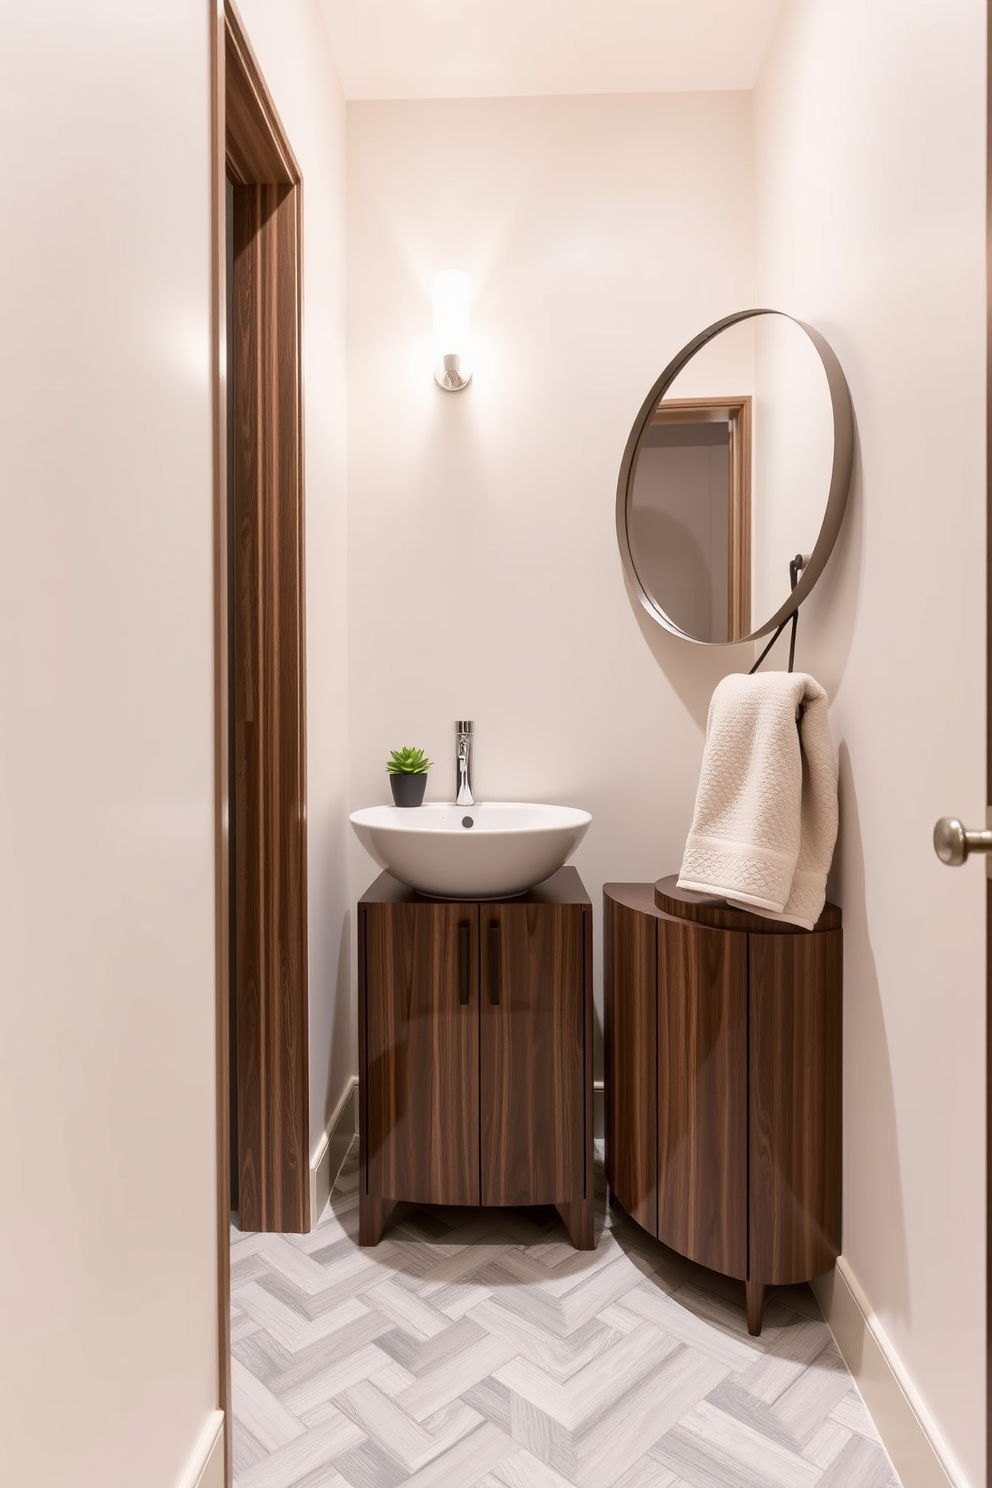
736, 414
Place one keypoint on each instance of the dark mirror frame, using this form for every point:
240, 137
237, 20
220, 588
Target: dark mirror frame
840, 475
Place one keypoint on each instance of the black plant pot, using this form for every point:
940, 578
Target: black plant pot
408, 790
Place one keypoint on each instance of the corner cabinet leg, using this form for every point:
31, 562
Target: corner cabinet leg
373, 1216
754, 1297
578, 1217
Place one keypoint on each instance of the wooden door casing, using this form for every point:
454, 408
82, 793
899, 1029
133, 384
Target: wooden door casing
422, 1052
532, 1053
268, 646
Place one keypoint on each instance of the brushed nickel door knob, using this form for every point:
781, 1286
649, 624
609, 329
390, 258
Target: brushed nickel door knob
953, 843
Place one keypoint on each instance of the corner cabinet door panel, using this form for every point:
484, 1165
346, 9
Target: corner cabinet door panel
422, 1052
795, 1034
702, 1094
532, 1053
630, 1037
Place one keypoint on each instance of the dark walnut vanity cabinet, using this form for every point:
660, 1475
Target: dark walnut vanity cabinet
723, 1082
475, 1052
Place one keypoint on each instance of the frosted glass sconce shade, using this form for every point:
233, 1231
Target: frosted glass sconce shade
452, 361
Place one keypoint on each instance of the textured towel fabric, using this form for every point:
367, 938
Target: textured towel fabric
765, 822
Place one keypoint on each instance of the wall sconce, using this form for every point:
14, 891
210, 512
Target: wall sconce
452, 359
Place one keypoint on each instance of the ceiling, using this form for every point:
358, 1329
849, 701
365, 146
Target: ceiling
514, 48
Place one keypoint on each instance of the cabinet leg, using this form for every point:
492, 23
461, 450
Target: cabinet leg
578, 1217
373, 1215
754, 1298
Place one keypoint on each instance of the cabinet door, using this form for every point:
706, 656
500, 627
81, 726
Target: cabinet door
796, 1009
532, 1053
421, 1075
702, 1094
630, 1038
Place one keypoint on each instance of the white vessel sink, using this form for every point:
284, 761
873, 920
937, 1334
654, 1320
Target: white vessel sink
486, 851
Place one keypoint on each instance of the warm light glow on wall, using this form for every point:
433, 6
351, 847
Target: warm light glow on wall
452, 351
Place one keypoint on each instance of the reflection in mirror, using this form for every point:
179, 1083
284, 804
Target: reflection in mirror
718, 493
689, 514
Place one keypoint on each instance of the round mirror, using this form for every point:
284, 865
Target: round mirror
738, 466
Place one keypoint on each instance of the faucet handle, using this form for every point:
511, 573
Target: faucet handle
463, 725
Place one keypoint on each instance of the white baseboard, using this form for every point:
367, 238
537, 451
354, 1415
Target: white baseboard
908, 1432
325, 1165
205, 1468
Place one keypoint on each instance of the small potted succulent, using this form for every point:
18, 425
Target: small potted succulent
408, 775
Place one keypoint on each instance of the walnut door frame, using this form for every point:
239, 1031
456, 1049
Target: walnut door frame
269, 650
268, 657
736, 414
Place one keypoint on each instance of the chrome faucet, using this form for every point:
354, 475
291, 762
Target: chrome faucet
463, 763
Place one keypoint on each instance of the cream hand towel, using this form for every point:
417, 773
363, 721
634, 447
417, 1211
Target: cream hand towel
765, 822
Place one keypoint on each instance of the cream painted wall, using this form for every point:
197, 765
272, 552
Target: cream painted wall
108, 1245
292, 48
485, 580
870, 166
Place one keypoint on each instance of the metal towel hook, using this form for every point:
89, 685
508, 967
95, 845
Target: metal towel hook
796, 566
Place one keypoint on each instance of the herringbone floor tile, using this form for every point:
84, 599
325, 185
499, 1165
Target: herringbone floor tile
477, 1349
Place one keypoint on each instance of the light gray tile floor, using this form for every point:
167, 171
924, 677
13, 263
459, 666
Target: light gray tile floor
476, 1349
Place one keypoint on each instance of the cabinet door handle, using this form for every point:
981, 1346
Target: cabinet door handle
494, 962
463, 948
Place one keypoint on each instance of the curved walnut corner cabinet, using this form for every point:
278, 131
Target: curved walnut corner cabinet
475, 1052
723, 1083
